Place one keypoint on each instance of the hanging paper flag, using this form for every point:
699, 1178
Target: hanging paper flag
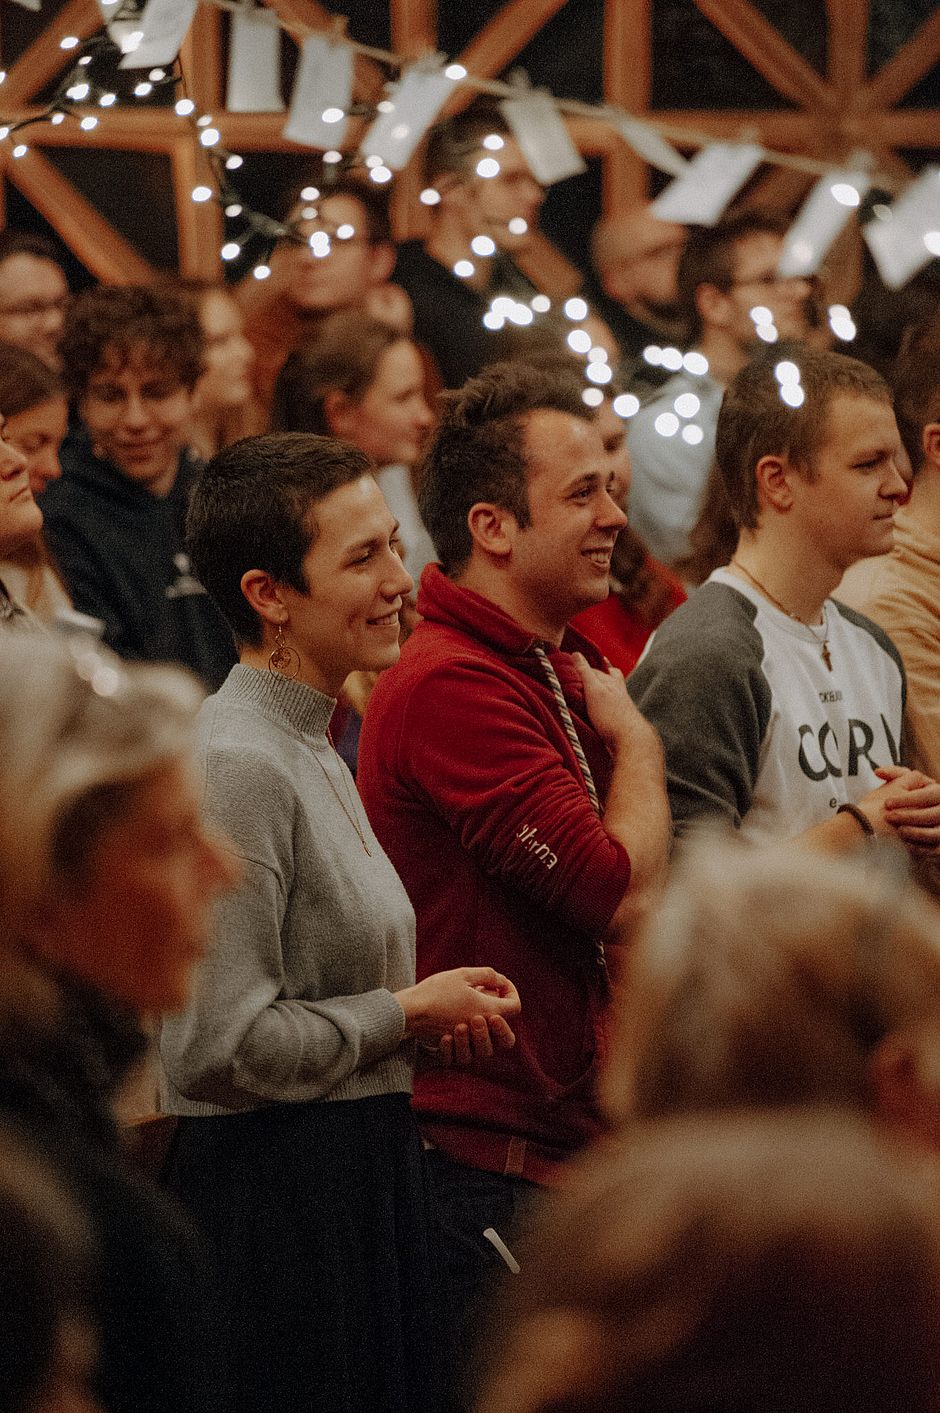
416, 101
822, 216
163, 26
540, 131
322, 96
121, 17
711, 179
651, 145
907, 237
254, 64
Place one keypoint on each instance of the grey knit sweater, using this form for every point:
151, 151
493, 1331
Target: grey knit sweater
294, 1001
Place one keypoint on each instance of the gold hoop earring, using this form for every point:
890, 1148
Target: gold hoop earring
284, 660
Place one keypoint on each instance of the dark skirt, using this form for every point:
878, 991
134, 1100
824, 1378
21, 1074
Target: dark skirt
319, 1217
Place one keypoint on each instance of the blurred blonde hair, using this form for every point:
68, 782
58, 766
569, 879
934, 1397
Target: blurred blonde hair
722, 1264
771, 977
79, 730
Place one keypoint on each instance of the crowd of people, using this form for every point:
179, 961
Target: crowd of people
472, 778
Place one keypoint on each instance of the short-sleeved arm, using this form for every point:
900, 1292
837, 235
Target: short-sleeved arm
242, 1040
701, 685
482, 760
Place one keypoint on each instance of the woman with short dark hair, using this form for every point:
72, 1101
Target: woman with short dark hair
297, 1150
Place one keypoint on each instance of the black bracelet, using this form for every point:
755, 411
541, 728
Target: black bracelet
860, 817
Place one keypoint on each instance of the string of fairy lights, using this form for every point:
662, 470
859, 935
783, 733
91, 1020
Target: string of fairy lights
96, 80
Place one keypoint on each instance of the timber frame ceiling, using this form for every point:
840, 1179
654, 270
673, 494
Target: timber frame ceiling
823, 115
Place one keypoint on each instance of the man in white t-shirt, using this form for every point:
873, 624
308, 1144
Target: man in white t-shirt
780, 709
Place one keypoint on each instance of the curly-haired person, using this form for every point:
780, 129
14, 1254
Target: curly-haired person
114, 522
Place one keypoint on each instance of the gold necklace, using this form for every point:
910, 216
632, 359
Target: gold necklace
351, 817
824, 642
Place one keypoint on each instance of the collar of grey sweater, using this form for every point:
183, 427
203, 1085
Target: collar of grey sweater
301, 708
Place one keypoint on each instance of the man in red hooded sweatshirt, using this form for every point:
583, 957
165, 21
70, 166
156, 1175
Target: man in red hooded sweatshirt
515, 788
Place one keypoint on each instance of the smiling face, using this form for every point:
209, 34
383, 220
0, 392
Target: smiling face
137, 921
390, 420
560, 561
847, 511
136, 413
20, 516
349, 618
38, 433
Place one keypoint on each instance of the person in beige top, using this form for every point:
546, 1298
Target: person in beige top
905, 598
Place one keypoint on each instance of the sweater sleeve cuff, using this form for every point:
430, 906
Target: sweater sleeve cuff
382, 1022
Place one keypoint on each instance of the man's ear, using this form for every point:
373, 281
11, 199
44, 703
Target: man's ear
381, 262
930, 442
338, 413
774, 476
713, 305
264, 595
491, 528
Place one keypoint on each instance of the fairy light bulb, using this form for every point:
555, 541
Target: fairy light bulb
430, 196
483, 245
464, 269
692, 434
593, 397
234, 162
487, 167
202, 193
261, 272
230, 250
579, 341
184, 107
626, 405
209, 137
667, 424
695, 363
576, 310
687, 404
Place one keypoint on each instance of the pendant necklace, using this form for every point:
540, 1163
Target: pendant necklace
339, 800
823, 642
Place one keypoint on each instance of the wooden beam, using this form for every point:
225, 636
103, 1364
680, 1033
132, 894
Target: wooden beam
44, 60
201, 60
783, 128
100, 248
768, 52
846, 45
413, 26
910, 127
780, 189
122, 130
498, 42
199, 224
414, 33
628, 71
908, 66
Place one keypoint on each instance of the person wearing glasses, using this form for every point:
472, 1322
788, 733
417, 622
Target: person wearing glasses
733, 301
34, 295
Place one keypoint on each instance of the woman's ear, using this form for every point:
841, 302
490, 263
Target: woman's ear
264, 595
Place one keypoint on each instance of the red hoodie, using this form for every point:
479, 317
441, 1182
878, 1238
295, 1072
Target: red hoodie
473, 788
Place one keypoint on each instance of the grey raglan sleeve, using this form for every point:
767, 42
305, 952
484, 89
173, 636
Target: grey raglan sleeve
701, 685
241, 1039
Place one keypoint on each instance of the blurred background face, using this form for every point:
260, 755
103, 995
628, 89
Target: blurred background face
38, 434
341, 278
33, 299
496, 205
137, 414
389, 423
137, 921
756, 283
20, 516
228, 356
